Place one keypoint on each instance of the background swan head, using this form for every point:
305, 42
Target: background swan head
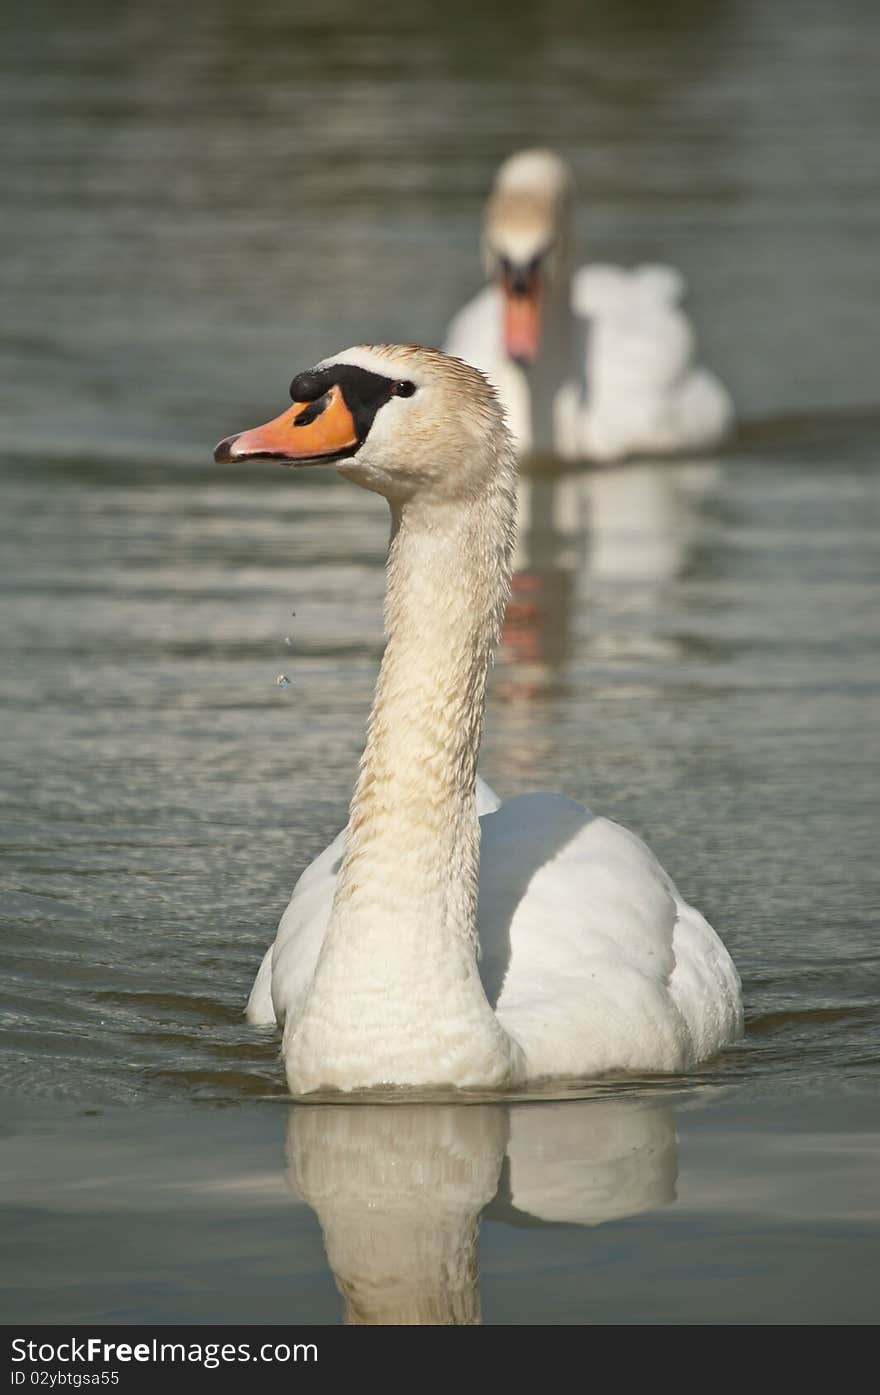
397, 419
526, 233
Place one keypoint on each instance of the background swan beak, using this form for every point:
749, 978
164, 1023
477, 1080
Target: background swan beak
522, 321
307, 433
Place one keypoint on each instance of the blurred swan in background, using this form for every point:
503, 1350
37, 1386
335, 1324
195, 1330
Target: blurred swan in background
597, 363
425, 949
399, 1189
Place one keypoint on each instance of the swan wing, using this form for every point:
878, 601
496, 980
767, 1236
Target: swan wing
590, 957
644, 392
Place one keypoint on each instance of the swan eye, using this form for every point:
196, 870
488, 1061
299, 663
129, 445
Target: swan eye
403, 389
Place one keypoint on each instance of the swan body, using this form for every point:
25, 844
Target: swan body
605, 368
587, 950
443, 939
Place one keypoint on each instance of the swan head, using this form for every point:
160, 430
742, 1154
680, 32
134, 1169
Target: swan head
525, 243
397, 419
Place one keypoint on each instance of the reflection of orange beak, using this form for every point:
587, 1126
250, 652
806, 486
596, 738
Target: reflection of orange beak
522, 322
307, 433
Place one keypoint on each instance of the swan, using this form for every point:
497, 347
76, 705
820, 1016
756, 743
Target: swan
598, 364
425, 948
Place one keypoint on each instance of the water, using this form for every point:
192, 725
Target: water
691, 649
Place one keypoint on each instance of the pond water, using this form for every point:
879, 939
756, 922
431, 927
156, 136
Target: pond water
692, 650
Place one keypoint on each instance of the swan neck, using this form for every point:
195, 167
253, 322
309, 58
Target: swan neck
554, 367
414, 798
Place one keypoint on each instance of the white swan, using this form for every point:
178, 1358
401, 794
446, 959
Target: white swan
596, 365
590, 960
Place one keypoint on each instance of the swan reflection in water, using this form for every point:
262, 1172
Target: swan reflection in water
596, 552
636, 524
549, 553
399, 1189
646, 519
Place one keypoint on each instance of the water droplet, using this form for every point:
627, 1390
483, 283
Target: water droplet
282, 680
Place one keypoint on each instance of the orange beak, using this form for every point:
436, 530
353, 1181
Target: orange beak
307, 433
522, 320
